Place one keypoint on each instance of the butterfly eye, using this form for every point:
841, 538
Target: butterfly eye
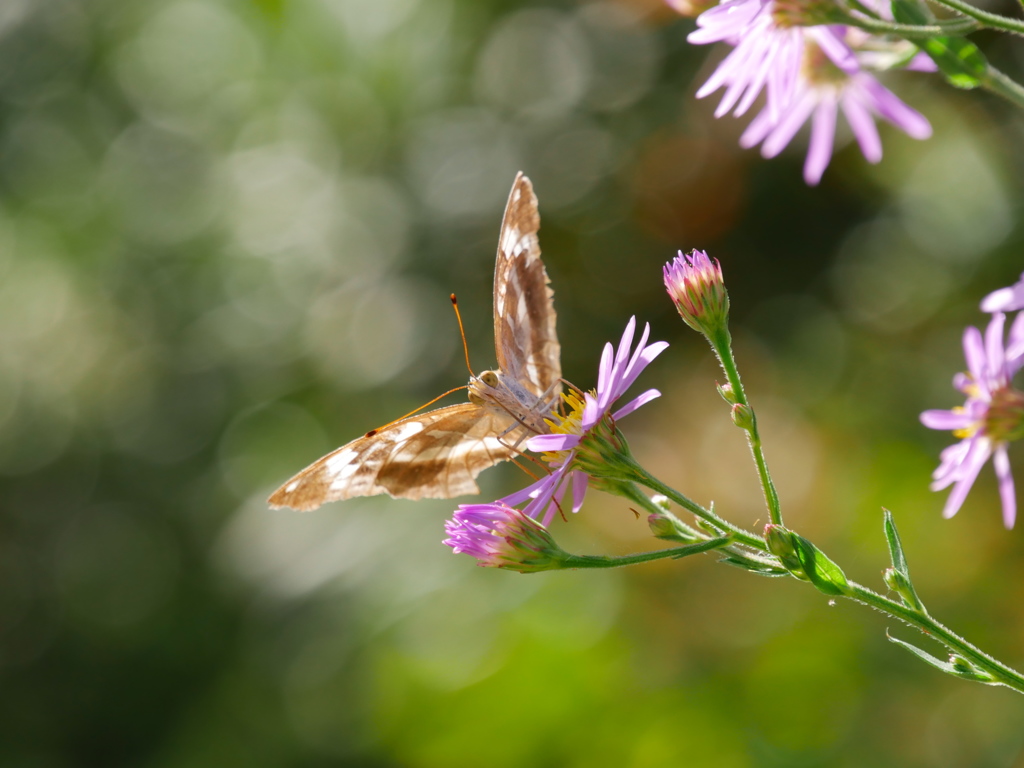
490, 378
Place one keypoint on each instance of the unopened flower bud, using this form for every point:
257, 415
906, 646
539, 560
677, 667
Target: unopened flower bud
781, 544
727, 393
743, 416
663, 527
697, 288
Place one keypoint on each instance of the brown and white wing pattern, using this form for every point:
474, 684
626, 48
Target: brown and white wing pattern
433, 455
524, 310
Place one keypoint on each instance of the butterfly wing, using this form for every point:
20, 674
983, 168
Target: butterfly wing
524, 309
433, 455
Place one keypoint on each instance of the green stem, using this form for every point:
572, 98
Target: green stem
955, 27
633, 493
721, 342
738, 534
608, 561
992, 20
998, 83
1000, 672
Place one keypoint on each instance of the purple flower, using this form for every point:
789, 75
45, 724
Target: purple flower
765, 55
806, 71
992, 417
1005, 299
587, 416
499, 536
832, 79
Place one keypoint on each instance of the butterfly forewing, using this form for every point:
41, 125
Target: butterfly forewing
434, 455
524, 309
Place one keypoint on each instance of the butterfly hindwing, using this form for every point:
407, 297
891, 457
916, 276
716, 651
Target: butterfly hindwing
434, 455
524, 311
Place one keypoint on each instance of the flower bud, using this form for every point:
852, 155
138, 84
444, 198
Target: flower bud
661, 501
663, 527
697, 288
727, 393
743, 416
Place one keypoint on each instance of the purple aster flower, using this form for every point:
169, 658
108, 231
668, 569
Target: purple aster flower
587, 416
499, 536
805, 70
988, 421
831, 78
765, 55
1008, 299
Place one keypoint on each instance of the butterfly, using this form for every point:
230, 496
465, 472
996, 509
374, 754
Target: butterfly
438, 454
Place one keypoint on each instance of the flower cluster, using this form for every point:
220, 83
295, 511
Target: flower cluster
808, 68
582, 446
989, 420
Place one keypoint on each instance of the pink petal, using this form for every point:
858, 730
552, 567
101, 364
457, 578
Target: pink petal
823, 132
635, 403
1001, 462
579, 489
944, 420
784, 132
977, 455
542, 443
863, 126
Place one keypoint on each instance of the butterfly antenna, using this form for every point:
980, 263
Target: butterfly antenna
373, 432
462, 333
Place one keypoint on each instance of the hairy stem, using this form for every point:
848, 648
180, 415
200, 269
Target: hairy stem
722, 344
998, 83
609, 561
991, 20
1000, 672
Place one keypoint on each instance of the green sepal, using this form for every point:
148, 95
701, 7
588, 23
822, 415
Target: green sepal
899, 580
957, 666
956, 57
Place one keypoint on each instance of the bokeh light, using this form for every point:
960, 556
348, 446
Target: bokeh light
228, 233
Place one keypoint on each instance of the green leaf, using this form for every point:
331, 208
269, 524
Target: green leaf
959, 60
959, 667
956, 57
902, 584
899, 560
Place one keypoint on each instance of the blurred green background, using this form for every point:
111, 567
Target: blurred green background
228, 232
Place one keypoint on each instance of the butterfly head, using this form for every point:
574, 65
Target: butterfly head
502, 393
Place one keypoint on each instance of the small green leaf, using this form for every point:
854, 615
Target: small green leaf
958, 59
899, 560
958, 667
900, 581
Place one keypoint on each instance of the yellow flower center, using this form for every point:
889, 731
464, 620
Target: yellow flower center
571, 423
